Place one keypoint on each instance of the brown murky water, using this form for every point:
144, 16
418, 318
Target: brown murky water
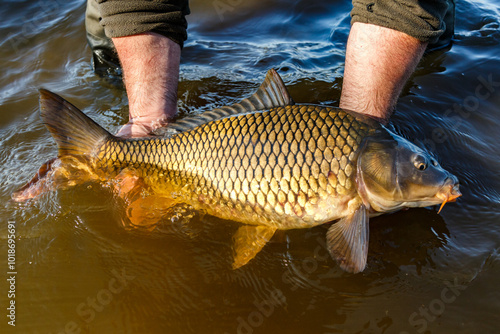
79, 271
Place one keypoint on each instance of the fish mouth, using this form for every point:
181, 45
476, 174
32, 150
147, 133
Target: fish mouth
449, 192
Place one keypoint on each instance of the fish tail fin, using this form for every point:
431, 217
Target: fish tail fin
73, 131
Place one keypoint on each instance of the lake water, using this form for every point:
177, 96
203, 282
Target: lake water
77, 270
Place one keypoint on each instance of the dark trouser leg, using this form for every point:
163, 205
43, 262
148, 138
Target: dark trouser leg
104, 58
449, 21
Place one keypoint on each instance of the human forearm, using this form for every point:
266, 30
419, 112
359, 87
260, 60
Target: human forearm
379, 61
150, 65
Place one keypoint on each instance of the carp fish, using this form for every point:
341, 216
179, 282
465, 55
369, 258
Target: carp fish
267, 163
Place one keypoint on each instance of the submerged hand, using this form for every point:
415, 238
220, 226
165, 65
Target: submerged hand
141, 127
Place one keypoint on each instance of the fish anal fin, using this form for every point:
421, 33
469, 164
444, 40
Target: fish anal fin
142, 208
248, 241
146, 212
347, 240
128, 185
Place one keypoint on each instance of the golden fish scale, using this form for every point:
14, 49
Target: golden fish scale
283, 165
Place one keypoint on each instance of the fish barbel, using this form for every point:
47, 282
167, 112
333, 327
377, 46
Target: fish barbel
269, 164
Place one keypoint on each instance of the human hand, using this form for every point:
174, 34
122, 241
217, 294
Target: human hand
141, 127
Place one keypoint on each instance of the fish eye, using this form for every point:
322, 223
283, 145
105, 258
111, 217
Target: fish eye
420, 162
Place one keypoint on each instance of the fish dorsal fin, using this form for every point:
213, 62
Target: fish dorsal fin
248, 241
271, 93
347, 241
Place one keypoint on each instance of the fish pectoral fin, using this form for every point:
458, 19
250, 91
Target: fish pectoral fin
347, 241
248, 241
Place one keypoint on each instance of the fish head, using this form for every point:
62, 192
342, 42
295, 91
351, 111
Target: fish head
394, 173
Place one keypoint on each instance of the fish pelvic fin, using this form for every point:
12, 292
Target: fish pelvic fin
248, 241
347, 241
271, 93
73, 131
